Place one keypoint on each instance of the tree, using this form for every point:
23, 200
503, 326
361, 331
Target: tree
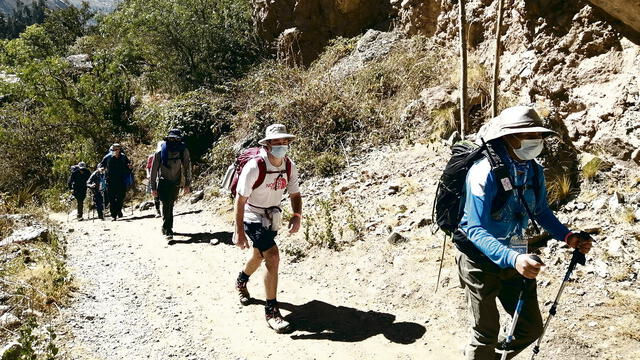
186, 44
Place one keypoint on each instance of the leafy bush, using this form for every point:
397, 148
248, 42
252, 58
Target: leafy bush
186, 44
202, 117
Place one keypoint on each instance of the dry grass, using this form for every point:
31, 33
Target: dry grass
626, 303
36, 276
328, 114
626, 215
559, 189
590, 169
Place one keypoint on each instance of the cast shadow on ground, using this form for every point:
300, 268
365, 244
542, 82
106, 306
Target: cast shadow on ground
224, 237
188, 212
139, 217
323, 321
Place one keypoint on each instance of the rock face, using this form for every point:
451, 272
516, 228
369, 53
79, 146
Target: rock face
628, 11
568, 56
303, 27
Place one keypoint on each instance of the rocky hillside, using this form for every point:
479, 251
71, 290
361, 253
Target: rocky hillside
577, 61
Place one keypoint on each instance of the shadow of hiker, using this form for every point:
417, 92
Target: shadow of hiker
324, 321
223, 237
141, 217
188, 212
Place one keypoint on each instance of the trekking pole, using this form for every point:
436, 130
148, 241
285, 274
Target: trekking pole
577, 258
444, 243
516, 313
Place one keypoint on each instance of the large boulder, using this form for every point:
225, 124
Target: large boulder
627, 11
316, 22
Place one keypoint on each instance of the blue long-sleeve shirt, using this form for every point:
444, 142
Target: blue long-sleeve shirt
491, 233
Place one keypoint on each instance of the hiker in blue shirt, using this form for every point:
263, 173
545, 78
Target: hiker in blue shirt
494, 254
170, 163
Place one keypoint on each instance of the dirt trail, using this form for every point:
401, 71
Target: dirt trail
141, 298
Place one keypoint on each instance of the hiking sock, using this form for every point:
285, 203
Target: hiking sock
270, 306
242, 277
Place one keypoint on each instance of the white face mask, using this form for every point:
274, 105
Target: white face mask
529, 148
279, 151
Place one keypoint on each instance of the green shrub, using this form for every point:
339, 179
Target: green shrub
590, 169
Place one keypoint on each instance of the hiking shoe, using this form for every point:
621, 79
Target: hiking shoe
276, 322
168, 237
243, 293
158, 215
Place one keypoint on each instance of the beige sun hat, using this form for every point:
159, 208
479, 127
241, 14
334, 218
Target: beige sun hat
276, 131
513, 120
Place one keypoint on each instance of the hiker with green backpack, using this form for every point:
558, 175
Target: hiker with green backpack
503, 189
262, 174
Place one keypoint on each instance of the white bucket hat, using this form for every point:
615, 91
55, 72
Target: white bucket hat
513, 120
276, 131
82, 165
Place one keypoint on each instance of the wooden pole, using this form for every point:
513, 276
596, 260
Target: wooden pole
463, 69
496, 64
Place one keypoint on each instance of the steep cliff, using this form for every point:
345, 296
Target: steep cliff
303, 27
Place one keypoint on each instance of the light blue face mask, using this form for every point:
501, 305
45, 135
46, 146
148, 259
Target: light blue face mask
279, 151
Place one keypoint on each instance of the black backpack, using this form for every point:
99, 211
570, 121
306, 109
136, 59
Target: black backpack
448, 204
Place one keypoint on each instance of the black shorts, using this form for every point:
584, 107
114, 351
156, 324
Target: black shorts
261, 238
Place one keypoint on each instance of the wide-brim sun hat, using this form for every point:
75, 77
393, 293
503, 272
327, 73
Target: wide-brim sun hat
276, 131
514, 120
82, 165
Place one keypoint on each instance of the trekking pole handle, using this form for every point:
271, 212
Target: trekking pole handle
536, 258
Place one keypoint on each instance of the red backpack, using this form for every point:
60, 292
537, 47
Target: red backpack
243, 159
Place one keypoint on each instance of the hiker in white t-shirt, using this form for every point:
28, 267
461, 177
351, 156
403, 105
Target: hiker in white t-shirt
258, 216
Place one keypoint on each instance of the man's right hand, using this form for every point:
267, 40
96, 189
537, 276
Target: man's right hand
241, 240
154, 193
528, 267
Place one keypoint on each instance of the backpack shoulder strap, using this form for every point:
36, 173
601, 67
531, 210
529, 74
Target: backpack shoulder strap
287, 166
262, 171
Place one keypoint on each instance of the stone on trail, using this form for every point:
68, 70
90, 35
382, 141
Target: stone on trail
396, 238
599, 203
8, 320
145, 205
25, 234
197, 196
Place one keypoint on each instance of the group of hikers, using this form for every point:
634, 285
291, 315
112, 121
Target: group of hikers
113, 176
502, 190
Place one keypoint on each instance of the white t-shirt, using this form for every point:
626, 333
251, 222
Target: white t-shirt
270, 192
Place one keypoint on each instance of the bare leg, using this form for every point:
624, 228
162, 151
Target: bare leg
253, 263
272, 260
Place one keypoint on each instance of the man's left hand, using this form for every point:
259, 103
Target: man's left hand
294, 224
186, 190
580, 241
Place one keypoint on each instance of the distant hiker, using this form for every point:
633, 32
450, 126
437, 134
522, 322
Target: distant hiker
169, 163
78, 184
97, 185
156, 200
494, 255
117, 169
260, 189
